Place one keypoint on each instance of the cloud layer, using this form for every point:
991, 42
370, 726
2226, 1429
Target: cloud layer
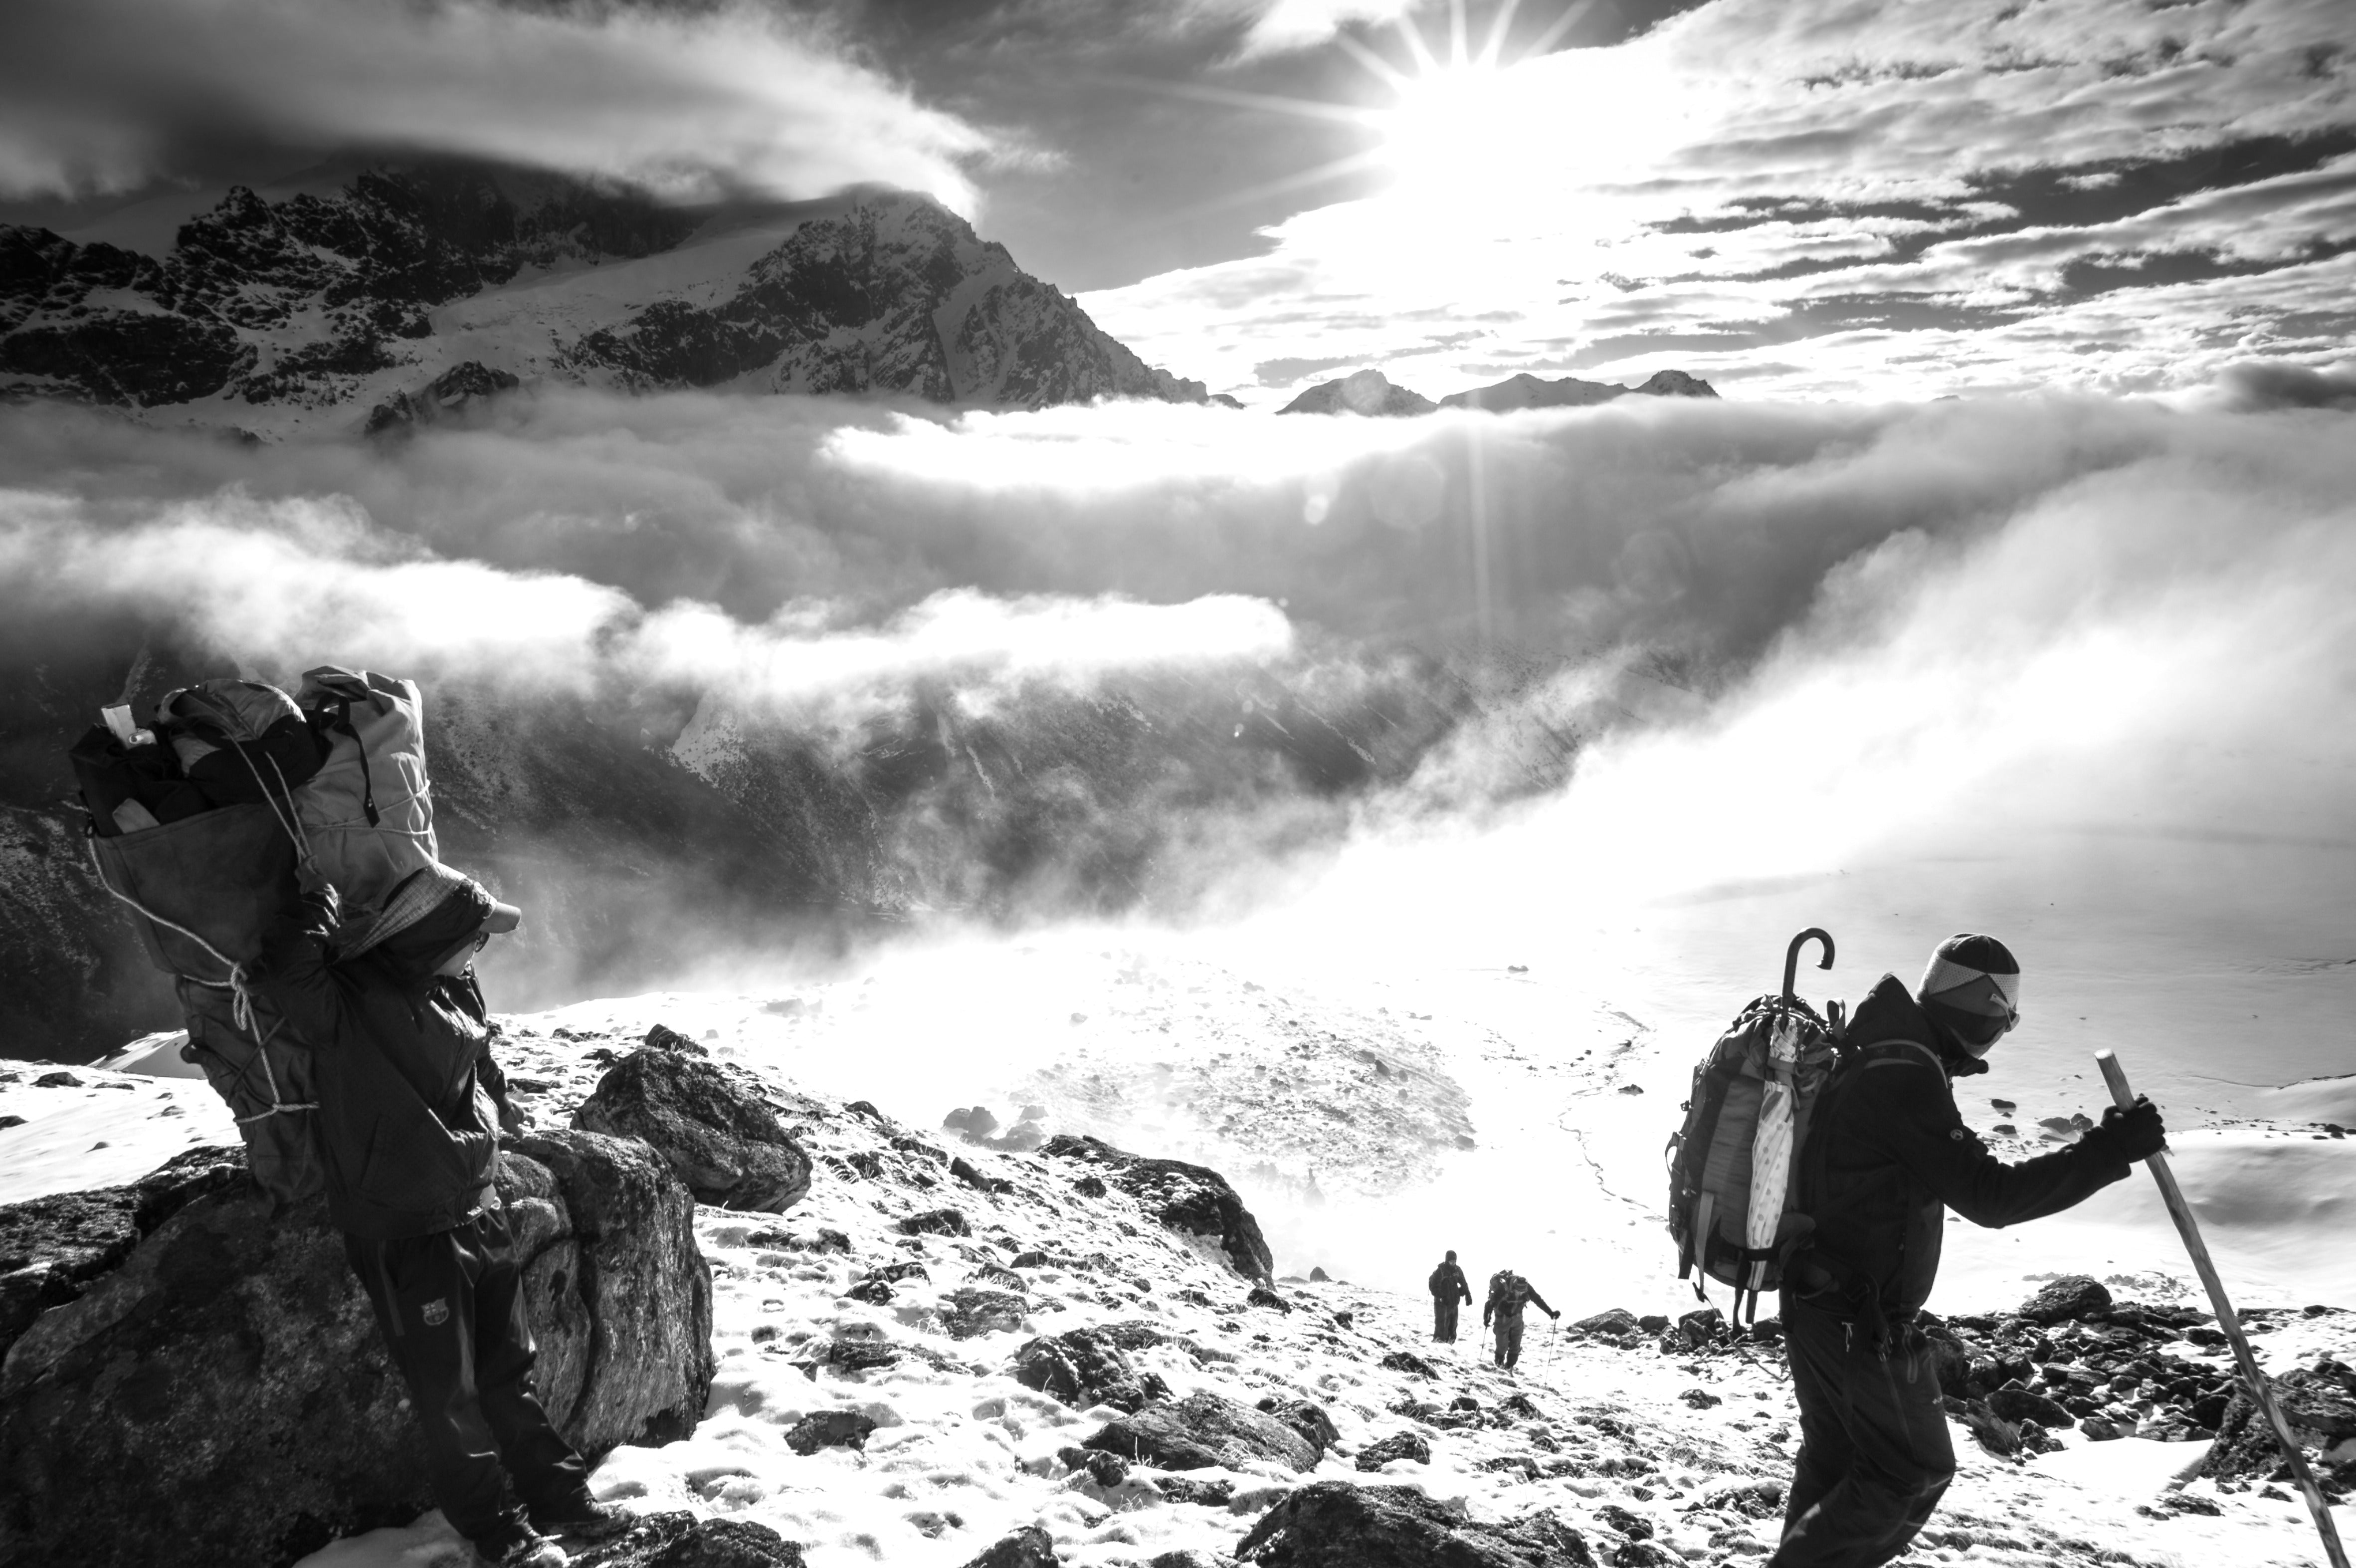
111, 94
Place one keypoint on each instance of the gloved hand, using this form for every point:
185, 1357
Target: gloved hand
2131, 1135
1555, 1315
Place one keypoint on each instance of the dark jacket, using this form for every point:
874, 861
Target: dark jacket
408, 1129
1509, 1294
1888, 1155
1448, 1283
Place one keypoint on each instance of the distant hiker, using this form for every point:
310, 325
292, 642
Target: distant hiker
1449, 1289
1509, 1294
408, 1130
1887, 1156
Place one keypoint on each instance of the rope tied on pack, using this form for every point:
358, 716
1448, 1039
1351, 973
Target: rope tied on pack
241, 994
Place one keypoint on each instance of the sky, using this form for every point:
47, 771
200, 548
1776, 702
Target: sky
1810, 198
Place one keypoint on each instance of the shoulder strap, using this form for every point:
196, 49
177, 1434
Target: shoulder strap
1930, 1057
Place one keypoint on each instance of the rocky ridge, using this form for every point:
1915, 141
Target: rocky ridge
353, 308
1370, 392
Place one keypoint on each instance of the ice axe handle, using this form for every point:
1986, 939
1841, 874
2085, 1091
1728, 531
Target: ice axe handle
2260, 1390
1791, 956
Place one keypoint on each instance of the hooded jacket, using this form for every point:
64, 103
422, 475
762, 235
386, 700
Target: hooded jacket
1448, 1283
408, 1128
1888, 1155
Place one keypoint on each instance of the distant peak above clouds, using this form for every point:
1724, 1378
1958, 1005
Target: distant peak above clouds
313, 311
1369, 392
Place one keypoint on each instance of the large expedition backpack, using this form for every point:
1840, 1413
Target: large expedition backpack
203, 889
197, 825
1733, 1201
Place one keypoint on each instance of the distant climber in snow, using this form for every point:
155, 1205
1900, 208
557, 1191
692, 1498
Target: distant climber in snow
1887, 1155
410, 1107
1509, 1294
1449, 1289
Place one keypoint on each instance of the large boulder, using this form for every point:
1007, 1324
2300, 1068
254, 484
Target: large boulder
683, 1541
1333, 1524
251, 1412
1029, 1546
726, 1146
1084, 1368
2070, 1297
1202, 1430
51, 1248
2319, 1403
1193, 1200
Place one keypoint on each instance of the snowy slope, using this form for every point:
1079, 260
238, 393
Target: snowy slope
1172, 1050
963, 1453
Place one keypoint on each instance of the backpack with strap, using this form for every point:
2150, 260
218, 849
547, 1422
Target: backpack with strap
367, 815
1734, 1207
202, 890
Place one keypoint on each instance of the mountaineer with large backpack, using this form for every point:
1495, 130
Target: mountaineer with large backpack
1882, 1155
1509, 1293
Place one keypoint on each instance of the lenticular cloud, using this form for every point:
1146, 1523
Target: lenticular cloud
108, 94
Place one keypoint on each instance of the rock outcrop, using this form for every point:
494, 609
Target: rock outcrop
728, 1147
1085, 1367
2319, 1403
53, 1248
1398, 1445
1333, 1524
1029, 1546
252, 1413
457, 396
2071, 1297
1193, 1200
1202, 1430
683, 1540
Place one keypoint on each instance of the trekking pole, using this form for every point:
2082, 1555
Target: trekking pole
2261, 1390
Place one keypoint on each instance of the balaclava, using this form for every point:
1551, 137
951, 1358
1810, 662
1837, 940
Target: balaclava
1972, 991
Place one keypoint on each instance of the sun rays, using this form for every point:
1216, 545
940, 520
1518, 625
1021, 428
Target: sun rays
1439, 110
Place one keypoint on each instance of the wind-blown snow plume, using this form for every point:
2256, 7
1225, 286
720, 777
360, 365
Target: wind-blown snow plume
105, 95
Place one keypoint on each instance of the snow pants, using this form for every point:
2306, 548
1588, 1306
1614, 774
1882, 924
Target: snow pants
1875, 1453
1444, 1318
451, 1309
1509, 1341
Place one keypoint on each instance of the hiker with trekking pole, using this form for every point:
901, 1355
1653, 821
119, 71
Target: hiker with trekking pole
1821, 1162
1509, 1293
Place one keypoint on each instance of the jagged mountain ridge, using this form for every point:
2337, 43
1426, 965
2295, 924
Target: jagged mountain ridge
312, 310
1369, 392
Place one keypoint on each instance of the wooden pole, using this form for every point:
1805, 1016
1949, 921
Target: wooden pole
2260, 1388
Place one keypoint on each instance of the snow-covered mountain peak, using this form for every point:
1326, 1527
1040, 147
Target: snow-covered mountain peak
313, 311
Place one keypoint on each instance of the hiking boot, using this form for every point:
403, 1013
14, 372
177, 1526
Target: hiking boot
516, 1545
582, 1518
